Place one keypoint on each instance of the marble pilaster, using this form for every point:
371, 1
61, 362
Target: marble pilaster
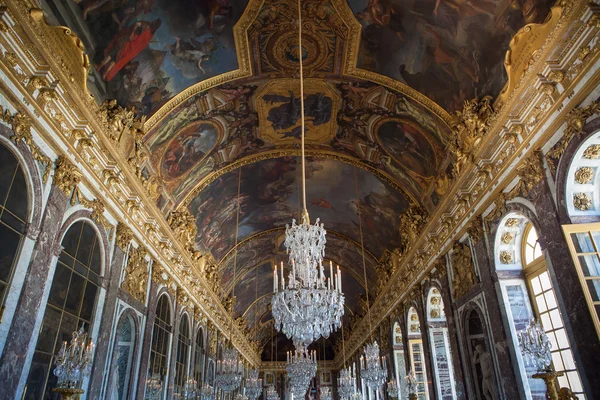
147, 338
174, 346
23, 332
106, 327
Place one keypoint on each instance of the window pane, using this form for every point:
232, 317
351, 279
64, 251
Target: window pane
60, 285
552, 340
561, 337
8, 165
541, 303
89, 299
567, 357
558, 362
8, 250
71, 239
545, 280
75, 294
575, 381
535, 285
17, 198
550, 299
556, 319
582, 242
562, 381
529, 257
590, 265
594, 288
546, 323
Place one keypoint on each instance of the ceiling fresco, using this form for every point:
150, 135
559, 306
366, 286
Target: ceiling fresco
147, 51
383, 130
449, 50
269, 198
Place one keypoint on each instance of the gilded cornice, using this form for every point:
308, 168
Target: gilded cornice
70, 124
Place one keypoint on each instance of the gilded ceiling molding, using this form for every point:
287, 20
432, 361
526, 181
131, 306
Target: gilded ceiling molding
293, 152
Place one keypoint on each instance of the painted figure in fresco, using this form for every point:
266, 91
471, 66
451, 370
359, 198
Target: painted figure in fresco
125, 46
213, 8
121, 10
408, 146
467, 7
482, 357
192, 52
187, 149
318, 108
384, 13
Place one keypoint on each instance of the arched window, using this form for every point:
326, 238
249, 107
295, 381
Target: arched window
183, 355
13, 218
415, 350
159, 350
199, 358
440, 345
123, 358
528, 293
399, 360
71, 304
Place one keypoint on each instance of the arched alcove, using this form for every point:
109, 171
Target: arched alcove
415, 352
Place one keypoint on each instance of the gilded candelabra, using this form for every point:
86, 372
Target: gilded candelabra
73, 364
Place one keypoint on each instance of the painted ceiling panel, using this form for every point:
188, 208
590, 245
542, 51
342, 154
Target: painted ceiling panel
269, 197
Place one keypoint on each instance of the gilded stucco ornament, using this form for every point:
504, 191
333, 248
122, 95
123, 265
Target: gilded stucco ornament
136, 274
469, 127
582, 201
475, 230
576, 119
584, 175
229, 303
507, 237
183, 224
123, 236
592, 152
511, 222
411, 225
462, 266
506, 257
21, 127
66, 175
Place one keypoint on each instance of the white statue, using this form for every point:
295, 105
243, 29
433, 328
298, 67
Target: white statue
483, 358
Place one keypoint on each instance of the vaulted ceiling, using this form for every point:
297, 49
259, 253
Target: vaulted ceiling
218, 81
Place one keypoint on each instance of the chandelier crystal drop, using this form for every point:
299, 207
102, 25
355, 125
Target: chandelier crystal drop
373, 369
154, 387
253, 385
229, 372
347, 382
301, 369
392, 388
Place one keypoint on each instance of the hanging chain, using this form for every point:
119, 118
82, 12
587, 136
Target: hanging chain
300, 52
362, 246
237, 226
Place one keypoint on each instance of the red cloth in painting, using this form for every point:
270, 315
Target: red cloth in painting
129, 50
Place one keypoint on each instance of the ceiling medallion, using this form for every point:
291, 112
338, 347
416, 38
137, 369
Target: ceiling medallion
310, 305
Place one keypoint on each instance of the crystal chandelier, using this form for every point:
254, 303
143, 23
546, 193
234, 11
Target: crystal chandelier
191, 388
154, 386
373, 369
346, 383
229, 373
392, 388
411, 383
325, 393
207, 392
301, 369
74, 362
253, 385
240, 396
310, 306
536, 346
272, 393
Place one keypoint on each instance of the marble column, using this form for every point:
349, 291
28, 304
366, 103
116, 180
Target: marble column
25, 324
569, 293
147, 338
106, 325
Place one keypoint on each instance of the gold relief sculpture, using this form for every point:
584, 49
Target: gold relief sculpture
229, 304
183, 224
512, 222
435, 313
123, 236
136, 274
584, 175
576, 119
21, 127
531, 172
462, 266
582, 201
592, 152
411, 225
66, 176
507, 237
506, 257
475, 230
211, 275
469, 127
